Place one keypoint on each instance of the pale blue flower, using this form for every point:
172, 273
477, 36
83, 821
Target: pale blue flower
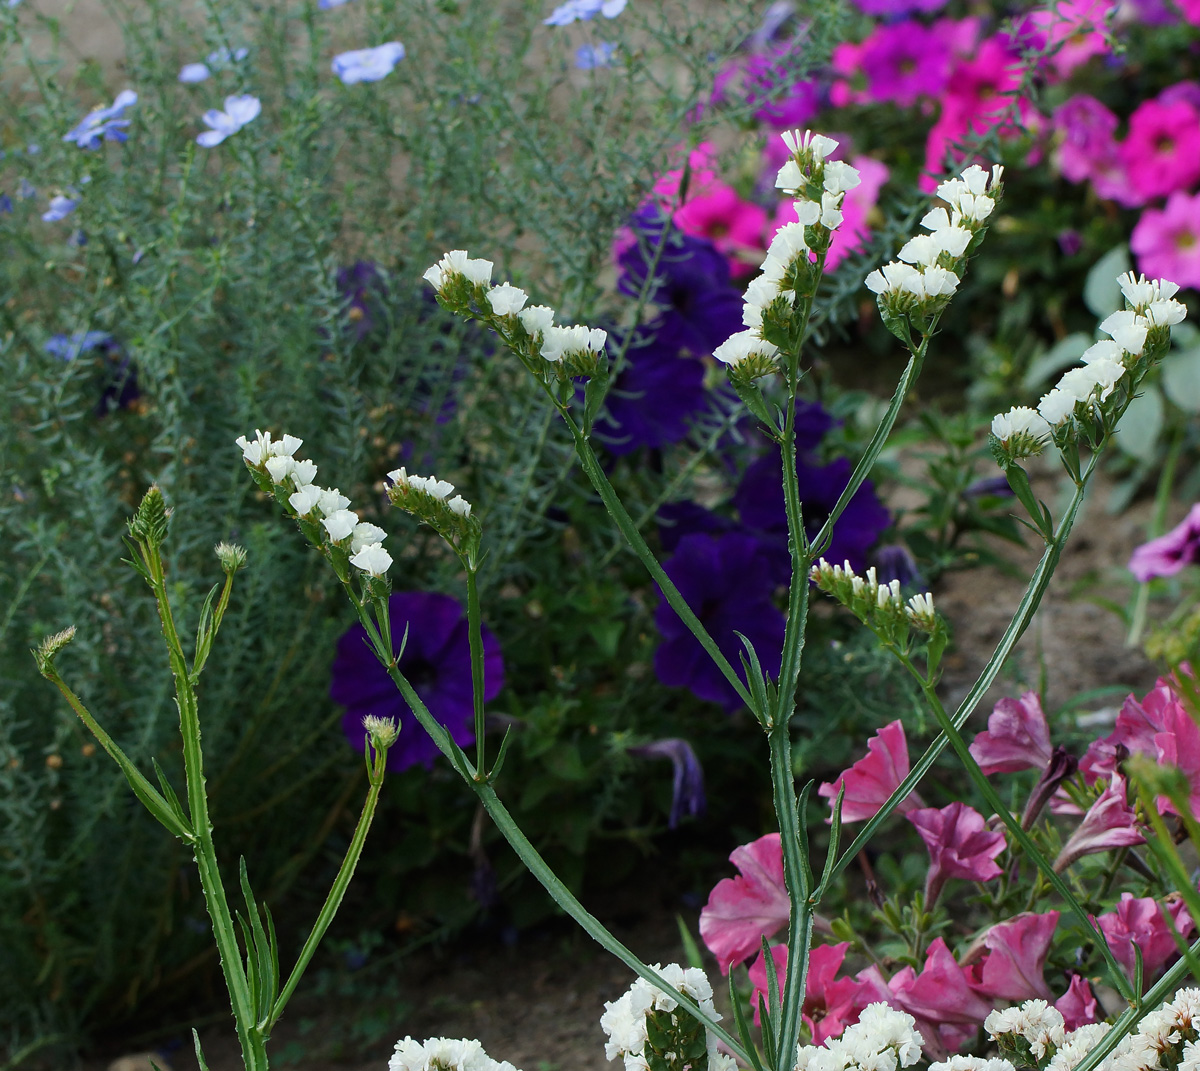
368, 64
225, 57
190, 73
103, 123
238, 112
329, 5
584, 11
26, 190
60, 208
68, 347
589, 57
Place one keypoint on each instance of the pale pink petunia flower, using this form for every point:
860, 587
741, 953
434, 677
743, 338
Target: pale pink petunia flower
1161, 152
1167, 240
742, 911
734, 226
1017, 737
1109, 823
960, 845
1014, 968
859, 202
1078, 1005
871, 780
702, 165
1143, 922
1079, 26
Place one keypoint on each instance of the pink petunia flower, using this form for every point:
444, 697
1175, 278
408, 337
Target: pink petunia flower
1161, 152
734, 226
1015, 965
1167, 240
871, 780
853, 232
940, 998
960, 845
830, 1003
1017, 737
1078, 1005
742, 911
1143, 922
1109, 823
1079, 26
702, 161
904, 62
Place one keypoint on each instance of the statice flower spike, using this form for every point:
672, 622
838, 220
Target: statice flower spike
428, 499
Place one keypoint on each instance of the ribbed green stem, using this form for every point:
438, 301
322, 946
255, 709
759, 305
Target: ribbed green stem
474, 631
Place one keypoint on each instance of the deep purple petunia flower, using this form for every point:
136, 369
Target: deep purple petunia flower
759, 500
687, 789
653, 399
679, 519
436, 661
727, 583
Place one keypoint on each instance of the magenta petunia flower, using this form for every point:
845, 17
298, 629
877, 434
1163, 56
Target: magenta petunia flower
1088, 133
960, 845
1167, 240
702, 175
436, 661
904, 62
940, 998
1109, 823
1017, 737
859, 202
1143, 922
1168, 554
1015, 965
1161, 152
895, 8
1077, 27
1078, 1005
871, 780
734, 226
742, 911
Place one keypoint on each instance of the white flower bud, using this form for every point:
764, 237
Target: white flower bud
340, 524
506, 299
331, 501
304, 499
304, 472
372, 558
280, 467
536, 318
365, 534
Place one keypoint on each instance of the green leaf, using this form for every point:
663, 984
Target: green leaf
1101, 292
1061, 355
691, 951
1181, 379
1140, 427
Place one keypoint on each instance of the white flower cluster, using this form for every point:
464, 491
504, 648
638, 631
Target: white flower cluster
457, 264
1077, 1044
870, 599
624, 1019
1035, 1022
1151, 307
973, 1063
324, 505
928, 265
444, 1054
429, 491
883, 1039
1168, 1039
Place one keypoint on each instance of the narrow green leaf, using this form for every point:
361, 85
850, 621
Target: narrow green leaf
691, 951
743, 1027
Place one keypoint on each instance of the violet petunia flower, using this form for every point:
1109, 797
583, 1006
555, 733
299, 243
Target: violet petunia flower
1142, 922
60, 208
1015, 965
896, 8
583, 11
1167, 240
6, 205
437, 663
894, 561
727, 583
871, 781
239, 110
367, 64
742, 911
687, 790
1109, 823
1017, 737
960, 845
103, 124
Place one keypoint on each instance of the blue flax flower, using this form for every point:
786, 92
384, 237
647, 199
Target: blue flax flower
329, 5
727, 583
103, 123
368, 64
583, 11
437, 663
60, 208
190, 73
687, 791
238, 112
68, 347
590, 57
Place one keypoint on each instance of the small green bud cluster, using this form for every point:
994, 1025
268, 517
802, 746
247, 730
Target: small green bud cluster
49, 647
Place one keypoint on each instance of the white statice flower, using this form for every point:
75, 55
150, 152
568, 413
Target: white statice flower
557, 342
331, 500
931, 282
1104, 350
973, 1063
1076, 1046
759, 294
340, 524
1057, 406
742, 346
365, 534
831, 210
883, 1039
919, 609
304, 499
808, 145
922, 249
839, 177
789, 177
372, 559
1106, 375
286, 446
1037, 1022
1020, 420
304, 472
807, 212
459, 505
890, 279
936, 219
789, 243
772, 270
1079, 382
1140, 291
431, 485
968, 195
506, 299
953, 240
1131, 337
1186, 1006
457, 262
280, 467
443, 1054
624, 1019
1190, 1060
257, 451
536, 319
